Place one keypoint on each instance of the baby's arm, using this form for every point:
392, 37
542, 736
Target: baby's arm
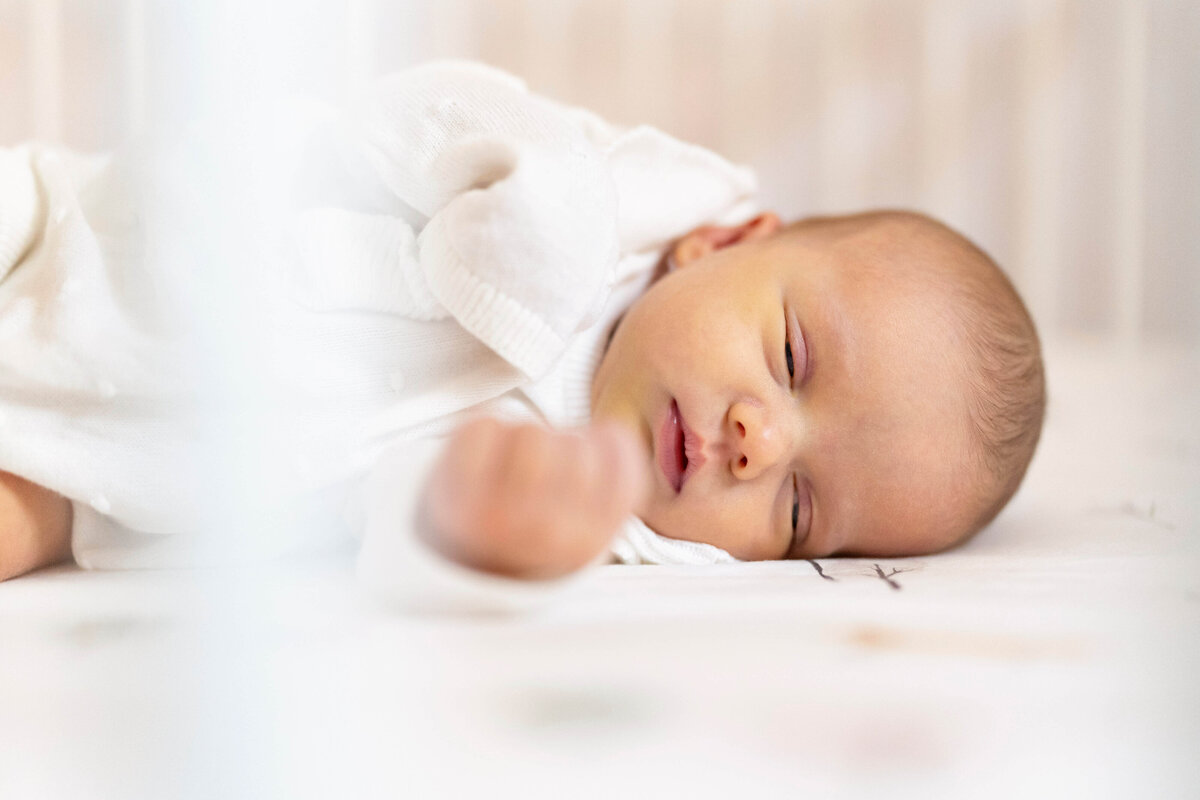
35, 527
526, 502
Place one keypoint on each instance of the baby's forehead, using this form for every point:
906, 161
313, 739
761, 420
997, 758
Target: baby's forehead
883, 259
892, 240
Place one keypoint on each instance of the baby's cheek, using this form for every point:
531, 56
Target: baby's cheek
724, 524
674, 523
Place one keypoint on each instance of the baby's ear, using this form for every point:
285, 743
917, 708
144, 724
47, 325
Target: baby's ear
710, 238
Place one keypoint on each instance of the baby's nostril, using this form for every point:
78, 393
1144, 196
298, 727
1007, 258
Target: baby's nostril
743, 462
741, 429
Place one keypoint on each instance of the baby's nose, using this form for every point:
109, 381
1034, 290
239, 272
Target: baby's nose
758, 442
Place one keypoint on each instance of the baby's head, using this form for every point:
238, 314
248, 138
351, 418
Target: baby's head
861, 385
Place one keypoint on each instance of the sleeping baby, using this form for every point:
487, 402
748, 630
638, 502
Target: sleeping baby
517, 342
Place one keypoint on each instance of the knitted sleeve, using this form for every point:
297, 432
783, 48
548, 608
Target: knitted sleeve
521, 241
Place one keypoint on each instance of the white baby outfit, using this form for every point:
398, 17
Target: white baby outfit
458, 246
93, 402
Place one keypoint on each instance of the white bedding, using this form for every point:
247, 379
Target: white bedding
1057, 654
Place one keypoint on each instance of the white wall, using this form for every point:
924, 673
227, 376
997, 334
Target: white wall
1062, 135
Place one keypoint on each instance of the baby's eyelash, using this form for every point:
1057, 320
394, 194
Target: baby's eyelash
795, 349
788, 357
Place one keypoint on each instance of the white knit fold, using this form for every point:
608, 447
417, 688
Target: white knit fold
20, 207
352, 260
514, 332
667, 187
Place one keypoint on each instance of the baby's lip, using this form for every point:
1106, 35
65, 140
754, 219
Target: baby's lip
680, 451
693, 449
671, 448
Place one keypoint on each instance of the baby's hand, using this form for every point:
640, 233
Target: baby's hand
528, 502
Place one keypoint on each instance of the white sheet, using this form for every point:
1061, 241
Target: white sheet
1055, 655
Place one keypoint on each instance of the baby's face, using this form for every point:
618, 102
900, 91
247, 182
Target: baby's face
857, 444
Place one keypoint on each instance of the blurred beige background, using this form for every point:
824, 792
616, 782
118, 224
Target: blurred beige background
1062, 135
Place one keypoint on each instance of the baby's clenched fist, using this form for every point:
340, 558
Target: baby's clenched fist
529, 502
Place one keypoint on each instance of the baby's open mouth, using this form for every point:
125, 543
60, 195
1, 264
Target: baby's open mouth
679, 450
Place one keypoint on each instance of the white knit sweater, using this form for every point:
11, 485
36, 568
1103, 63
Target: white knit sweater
458, 246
